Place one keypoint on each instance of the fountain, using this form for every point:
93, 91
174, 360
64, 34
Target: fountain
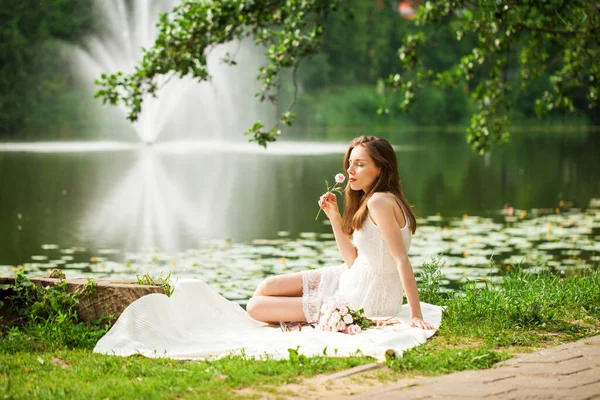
220, 109
191, 175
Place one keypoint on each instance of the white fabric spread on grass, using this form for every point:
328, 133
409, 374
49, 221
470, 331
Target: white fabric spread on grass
196, 322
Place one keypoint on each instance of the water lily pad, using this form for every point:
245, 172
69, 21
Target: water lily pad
109, 251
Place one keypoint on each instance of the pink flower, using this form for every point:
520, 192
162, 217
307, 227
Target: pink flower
339, 178
353, 329
323, 320
343, 310
341, 326
335, 317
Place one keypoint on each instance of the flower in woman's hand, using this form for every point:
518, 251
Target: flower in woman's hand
339, 178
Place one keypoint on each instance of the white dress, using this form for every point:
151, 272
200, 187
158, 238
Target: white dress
196, 322
372, 283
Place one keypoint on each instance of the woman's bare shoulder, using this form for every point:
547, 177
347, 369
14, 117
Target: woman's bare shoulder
381, 200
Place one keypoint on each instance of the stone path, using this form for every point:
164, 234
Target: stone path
570, 371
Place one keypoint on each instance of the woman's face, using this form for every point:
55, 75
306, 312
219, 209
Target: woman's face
362, 170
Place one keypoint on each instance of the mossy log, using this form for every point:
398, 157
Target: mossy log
107, 297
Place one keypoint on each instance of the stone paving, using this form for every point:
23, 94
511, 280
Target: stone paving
570, 371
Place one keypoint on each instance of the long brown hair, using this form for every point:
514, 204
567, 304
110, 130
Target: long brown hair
382, 153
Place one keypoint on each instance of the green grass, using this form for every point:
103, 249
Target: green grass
82, 374
481, 327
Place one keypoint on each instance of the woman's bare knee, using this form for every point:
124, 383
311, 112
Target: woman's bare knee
264, 287
280, 285
253, 308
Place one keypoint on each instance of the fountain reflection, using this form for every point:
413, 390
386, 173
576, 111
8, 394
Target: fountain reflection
146, 208
176, 194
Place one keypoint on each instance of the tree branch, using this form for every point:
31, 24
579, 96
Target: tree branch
560, 32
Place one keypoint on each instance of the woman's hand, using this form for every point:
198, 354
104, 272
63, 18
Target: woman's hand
328, 203
418, 322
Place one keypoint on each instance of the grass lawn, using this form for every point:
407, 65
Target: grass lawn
50, 355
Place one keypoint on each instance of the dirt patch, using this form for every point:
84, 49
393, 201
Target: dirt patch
330, 386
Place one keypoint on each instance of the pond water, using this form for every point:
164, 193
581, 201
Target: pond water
233, 213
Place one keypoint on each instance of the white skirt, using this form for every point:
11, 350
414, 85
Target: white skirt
319, 285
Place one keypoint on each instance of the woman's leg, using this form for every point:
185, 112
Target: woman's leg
273, 309
288, 285
278, 298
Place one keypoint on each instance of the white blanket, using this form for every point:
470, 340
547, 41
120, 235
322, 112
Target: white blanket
197, 323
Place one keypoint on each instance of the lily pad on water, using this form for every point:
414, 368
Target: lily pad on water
109, 251
471, 248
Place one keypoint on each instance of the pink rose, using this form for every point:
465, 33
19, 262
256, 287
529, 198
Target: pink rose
341, 326
353, 329
343, 310
340, 178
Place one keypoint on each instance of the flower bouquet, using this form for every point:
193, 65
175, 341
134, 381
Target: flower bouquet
338, 317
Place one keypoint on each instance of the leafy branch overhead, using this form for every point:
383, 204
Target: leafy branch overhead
512, 44
515, 43
288, 30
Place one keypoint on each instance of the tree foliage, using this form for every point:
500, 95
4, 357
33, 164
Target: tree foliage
511, 45
29, 68
289, 30
516, 43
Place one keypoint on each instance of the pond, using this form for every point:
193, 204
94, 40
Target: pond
232, 213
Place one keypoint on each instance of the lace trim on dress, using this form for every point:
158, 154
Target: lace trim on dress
311, 294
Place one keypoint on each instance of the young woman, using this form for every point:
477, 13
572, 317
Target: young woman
197, 322
376, 270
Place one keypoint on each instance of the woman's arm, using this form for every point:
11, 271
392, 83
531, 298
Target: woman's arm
381, 207
328, 202
344, 244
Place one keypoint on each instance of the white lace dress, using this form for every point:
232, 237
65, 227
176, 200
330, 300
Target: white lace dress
372, 283
197, 323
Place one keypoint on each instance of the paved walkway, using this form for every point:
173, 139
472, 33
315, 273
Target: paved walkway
570, 371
